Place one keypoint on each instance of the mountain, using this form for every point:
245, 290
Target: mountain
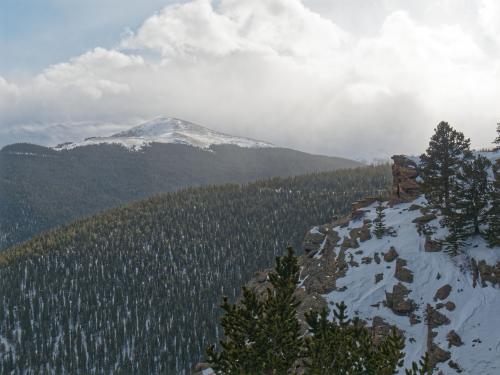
168, 130
43, 187
444, 305
136, 289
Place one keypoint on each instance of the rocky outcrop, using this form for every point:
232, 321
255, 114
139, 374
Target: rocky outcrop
398, 302
362, 203
405, 172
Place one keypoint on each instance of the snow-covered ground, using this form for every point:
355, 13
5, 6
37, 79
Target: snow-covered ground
168, 130
476, 318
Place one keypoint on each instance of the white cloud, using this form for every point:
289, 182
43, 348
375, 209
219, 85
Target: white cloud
279, 71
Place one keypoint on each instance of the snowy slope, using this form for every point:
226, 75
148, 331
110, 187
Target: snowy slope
477, 313
168, 130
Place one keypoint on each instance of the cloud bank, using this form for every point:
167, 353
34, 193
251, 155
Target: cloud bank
297, 74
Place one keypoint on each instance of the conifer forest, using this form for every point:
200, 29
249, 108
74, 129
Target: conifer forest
136, 290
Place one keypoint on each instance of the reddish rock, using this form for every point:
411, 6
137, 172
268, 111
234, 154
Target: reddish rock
404, 182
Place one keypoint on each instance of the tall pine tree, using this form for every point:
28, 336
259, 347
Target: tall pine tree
380, 228
441, 163
497, 139
493, 233
342, 346
468, 205
262, 336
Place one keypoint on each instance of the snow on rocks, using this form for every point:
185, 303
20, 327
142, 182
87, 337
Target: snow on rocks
429, 296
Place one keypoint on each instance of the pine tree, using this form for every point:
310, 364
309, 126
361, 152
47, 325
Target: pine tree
468, 206
457, 236
380, 229
497, 139
471, 192
493, 231
262, 337
343, 346
441, 162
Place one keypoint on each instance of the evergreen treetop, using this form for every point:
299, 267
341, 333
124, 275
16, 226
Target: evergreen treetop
380, 228
497, 139
441, 163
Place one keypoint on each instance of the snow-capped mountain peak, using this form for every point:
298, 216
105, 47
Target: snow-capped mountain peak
169, 130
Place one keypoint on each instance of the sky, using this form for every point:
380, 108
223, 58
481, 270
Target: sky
360, 78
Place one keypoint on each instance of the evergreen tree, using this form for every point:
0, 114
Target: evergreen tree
497, 139
441, 163
343, 346
262, 337
468, 203
458, 234
380, 229
471, 193
493, 232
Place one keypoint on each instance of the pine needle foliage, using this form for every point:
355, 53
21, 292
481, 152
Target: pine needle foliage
139, 287
423, 367
493, 232
380, 229
346, 347
262, 337
441, 163
497, 139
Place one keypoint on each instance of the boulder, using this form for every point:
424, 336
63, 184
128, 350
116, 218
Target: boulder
397, 301
379, 277
435, 318
402, 273
453, 339
450, 306
362, 234
443, 292
391, 255
432, 246
438, 355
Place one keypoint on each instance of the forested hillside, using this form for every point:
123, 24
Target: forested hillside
41, 188
136, 290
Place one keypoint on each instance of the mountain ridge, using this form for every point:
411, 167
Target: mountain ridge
165, 129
